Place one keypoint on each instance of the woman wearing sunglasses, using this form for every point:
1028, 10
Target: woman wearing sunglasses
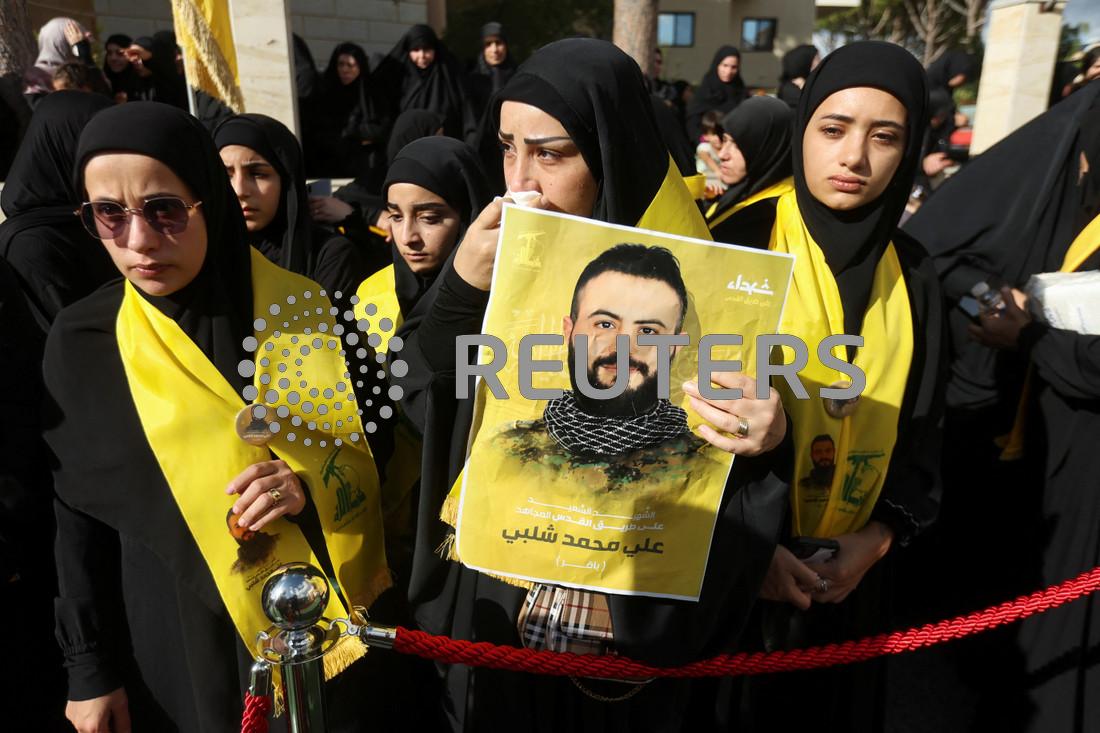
168, 522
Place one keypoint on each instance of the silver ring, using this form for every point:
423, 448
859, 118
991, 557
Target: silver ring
822, 585
742, 427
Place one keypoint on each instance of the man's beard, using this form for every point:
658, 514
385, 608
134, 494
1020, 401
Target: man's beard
633, 401
822, 474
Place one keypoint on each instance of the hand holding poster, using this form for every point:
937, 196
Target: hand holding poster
602, 487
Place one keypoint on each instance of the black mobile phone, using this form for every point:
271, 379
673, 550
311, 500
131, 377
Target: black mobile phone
970, 307
813, 549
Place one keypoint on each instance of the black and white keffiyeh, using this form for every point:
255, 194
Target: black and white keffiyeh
579, 432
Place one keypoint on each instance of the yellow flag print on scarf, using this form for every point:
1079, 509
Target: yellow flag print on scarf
188, 413
841, 463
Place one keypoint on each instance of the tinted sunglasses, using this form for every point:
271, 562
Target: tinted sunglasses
110, 220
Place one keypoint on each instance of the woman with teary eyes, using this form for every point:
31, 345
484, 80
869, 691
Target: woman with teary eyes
866, 472
578, 136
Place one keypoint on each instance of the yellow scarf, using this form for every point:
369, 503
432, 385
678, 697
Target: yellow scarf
773, 191
380, 290
1087, 242
403, 468
862, 443
188, 412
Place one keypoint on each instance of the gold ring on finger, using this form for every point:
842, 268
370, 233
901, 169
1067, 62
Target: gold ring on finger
276, 497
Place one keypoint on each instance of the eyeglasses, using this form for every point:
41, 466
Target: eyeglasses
110, 220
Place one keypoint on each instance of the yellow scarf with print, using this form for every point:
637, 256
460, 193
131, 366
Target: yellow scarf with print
829, 503
188, 413
1087, 242
773, 191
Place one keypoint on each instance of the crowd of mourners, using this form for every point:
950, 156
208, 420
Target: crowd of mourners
145, 222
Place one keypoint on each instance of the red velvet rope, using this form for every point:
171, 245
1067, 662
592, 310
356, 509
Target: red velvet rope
516, 659
256, 709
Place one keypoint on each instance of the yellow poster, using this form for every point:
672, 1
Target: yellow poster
610, 493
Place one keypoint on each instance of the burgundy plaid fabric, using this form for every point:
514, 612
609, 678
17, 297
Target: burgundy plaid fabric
565, 620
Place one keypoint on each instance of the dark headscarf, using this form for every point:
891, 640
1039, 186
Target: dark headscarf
306, 78
286, 241
497, 75
599, 96
411, 125
715, 94
41, 176
125, 80
761, 127
450, 169
948, 66
214, 309
797, 64
853, 241
343, 99
439, 88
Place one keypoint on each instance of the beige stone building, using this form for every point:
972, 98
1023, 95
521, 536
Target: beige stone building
690, 31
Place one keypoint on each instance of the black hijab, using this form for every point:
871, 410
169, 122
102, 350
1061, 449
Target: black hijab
306, 78
715, 94
797, 64
497, 75
125, 80
948, 66
286, 241
598, 94
761, 128
450, 169
411, 125
341, 100
214, 309
853, 241
39, 188
440, 88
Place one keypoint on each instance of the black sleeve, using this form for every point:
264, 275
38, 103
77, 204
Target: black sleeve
86, 610
1068, 361
340, 267
750, 521
910, 497
457, 310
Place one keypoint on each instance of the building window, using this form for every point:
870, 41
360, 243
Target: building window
676, 29
757, 34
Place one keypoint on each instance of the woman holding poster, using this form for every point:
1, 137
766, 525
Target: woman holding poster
577, 129
866, 470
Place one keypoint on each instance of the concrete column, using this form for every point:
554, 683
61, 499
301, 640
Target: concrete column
1017, 69
265, 59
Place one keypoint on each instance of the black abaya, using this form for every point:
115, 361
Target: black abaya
138, 606
351, 121
56, 261
715, 94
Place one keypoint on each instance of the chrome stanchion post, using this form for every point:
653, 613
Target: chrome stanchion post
294, 599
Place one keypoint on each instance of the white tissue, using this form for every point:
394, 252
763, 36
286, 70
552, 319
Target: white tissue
523, 198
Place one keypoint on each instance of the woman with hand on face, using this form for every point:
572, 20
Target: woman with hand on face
422, 74
576, 127
866, 472
755, 165
264, 163
168, 522
721, 89
116, 67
